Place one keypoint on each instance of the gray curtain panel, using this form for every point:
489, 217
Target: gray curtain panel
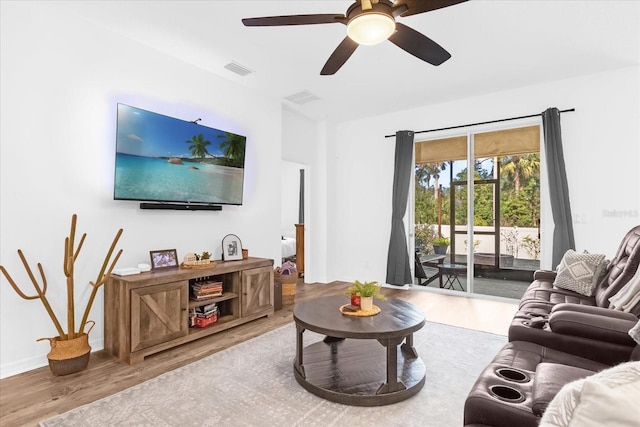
398, 267
558, 188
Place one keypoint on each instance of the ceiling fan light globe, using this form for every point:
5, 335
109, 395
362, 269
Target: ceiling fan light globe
371, 28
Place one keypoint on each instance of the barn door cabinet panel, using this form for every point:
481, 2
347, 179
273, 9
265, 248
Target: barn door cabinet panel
257, 291
149, 312
158, 314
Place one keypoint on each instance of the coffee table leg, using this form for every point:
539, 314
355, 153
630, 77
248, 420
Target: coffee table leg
392, 384
298, 363
408, 347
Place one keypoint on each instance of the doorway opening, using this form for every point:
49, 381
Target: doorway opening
293, 224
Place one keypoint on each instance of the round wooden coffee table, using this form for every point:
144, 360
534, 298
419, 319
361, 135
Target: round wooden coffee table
363, 361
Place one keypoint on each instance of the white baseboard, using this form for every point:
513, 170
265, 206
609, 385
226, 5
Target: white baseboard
404, 287
35, 362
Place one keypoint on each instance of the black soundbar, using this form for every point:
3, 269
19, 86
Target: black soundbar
180, 206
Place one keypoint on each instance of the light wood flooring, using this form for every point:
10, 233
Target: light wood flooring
33, 396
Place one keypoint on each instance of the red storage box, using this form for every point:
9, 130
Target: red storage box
203, 322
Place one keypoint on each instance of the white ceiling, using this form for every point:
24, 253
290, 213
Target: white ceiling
495, 45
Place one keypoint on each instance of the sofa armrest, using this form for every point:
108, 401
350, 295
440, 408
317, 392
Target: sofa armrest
610, 329
598, 311
544, 275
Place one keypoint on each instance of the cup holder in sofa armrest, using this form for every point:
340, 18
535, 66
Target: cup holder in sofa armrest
514, 375
506, 394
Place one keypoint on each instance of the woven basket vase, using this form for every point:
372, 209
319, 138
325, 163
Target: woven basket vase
69, 356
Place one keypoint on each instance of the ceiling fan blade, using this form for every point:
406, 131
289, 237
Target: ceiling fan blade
272, 21
420, 6
419, 45
339, 56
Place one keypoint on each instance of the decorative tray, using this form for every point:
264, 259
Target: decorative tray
348, 310
207, 265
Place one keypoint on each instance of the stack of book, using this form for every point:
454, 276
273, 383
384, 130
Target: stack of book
206, 289
204, 316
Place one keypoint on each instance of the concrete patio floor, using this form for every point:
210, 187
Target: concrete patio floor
506, 283
504, 288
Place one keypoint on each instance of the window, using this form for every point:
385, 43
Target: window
495, 238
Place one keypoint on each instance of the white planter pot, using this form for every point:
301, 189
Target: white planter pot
366, 303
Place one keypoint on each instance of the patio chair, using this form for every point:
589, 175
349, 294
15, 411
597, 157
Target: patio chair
421, 274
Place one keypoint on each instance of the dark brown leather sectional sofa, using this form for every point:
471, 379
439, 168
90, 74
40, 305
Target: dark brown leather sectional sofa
557, 336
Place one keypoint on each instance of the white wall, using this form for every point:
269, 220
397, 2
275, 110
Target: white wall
60, 81
601, 148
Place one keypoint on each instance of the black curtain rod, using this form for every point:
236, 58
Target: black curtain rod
483, 123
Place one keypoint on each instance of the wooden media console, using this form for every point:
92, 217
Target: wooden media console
149, 312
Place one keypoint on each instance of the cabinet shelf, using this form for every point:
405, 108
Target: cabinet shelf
224, 297
149, 312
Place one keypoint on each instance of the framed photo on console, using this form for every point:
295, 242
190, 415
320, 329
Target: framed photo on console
231, 248
165, 258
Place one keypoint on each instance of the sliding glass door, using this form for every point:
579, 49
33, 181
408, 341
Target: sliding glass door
488, 218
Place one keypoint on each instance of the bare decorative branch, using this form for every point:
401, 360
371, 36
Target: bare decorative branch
70, 256
102, 278
41, 291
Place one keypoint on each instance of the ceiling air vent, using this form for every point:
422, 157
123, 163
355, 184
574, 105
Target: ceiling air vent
303, 97
240, 70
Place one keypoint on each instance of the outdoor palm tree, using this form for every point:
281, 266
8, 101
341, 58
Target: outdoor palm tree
426, 171
233, 146
422, 175
198, 146
436, 169
520, 167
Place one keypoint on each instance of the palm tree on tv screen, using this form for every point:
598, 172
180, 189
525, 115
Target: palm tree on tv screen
198, 146
233, 146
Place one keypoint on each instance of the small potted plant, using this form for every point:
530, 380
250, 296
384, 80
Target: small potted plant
362, 294
440, 245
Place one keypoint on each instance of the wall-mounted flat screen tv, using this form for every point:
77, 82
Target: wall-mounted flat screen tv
164, 159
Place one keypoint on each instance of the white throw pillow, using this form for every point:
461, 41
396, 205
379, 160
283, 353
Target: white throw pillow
579, 272
629, 296
608, 398
635, 332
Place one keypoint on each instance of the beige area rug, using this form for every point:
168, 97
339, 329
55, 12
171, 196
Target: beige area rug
252, 384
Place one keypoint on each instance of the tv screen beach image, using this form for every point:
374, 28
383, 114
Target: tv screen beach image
160, 158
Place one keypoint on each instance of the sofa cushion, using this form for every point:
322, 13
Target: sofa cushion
549, 379
541, 296
579, 272
606, 398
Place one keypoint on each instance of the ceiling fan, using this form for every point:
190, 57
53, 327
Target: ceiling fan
371, 22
